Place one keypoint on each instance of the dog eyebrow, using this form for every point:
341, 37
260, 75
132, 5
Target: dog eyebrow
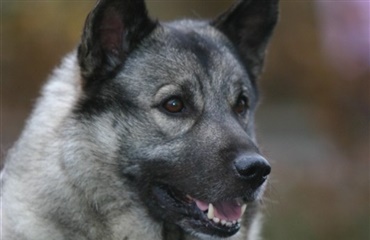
237, 86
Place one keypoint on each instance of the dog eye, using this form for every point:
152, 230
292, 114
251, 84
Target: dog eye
241, 105
174, 105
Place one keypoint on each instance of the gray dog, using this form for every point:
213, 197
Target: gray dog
145, 132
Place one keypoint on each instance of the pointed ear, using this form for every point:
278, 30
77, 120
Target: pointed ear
249, 25
112, 30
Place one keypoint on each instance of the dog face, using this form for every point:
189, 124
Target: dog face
182, 97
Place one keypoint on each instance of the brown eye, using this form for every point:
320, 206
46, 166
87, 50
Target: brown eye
241, 106
174, 105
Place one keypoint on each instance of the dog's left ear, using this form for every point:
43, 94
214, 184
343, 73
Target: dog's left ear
249, 25
112, 30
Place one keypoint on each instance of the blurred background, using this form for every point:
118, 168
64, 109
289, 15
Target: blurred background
313, 121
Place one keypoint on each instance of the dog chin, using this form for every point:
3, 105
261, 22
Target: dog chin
205, 236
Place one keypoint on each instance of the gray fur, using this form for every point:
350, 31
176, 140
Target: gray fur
99, 144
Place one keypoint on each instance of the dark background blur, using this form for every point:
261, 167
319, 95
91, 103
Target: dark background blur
313, 122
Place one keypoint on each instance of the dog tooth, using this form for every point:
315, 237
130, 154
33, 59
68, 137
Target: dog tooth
243, 208
239, 220
234, 222
239, 201
228, 224
216, 220
223, 222
211, 211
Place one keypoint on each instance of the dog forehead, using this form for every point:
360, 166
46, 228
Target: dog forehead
197, 41
182, 51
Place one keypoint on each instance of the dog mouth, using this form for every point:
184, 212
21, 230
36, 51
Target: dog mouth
220, 218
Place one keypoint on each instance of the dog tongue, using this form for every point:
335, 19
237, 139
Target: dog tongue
224, 210
228, 210
201, 205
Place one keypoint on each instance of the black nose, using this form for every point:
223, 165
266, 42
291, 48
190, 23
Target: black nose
253, 168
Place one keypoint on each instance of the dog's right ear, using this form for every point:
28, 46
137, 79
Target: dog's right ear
112, 30
249, 25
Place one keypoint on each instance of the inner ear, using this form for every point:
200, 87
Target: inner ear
111, 33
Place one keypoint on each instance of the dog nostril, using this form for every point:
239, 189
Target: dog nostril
253, 168
265, 171
255, 171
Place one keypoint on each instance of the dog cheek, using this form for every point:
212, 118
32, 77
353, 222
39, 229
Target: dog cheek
171, 127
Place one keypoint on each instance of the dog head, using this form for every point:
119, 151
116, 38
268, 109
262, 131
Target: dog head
181, 98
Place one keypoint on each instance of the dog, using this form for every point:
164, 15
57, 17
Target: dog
145, 131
